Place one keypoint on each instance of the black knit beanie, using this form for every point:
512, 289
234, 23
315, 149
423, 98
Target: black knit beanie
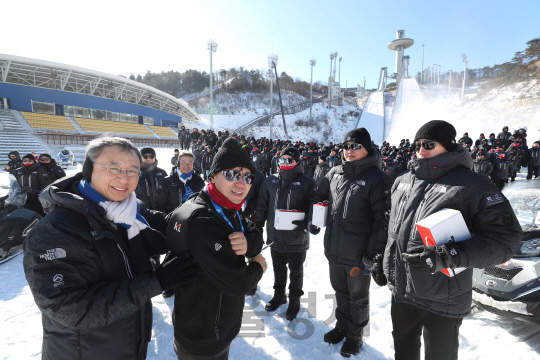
229, 156
29, 156
292, 152
148, 150
440, 131
359, 136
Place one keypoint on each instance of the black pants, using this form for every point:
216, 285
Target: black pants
533, 170
295, 260
440, 333
184, 355
352, 299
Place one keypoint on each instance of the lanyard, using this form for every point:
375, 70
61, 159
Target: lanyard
220, 211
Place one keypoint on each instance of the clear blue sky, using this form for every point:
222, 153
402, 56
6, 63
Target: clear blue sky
123, 37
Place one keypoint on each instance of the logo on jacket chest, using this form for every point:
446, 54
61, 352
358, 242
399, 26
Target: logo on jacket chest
53, 254
177, 227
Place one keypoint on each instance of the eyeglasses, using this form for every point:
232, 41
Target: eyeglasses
428, 145
117, 170
148, 156
190, 163
352, 146
286, 160
44, 159
234, 175
12, 157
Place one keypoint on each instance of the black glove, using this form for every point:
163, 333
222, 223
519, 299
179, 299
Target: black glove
366, 266
177, 270
313, 230
432, 258
377, 272
302, 225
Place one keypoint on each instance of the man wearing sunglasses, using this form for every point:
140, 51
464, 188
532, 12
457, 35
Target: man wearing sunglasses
208, 314
356, 232
289, 189
151, 189
49, 164
425, 300
14, 162
32, 178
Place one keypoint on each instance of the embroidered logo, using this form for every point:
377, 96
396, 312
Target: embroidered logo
361, 182
177, 226
296, 183
94, 233
403, 187
218, 246
58, 280
53, 254
429, 262
493, 199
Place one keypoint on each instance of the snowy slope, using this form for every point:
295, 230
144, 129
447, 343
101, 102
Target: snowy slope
373, 117
270, 336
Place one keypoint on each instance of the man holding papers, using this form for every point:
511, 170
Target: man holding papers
281, 193
424, 299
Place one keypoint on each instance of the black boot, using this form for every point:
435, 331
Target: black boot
278, 299
334, 336
351, 346
168, 293
292, 310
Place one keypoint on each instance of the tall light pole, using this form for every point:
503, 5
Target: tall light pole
312, 62
439, 76
339, 76
272, 59
364, 84
422, 63
450, 82
435, 74
330, 82
212, 46
464, 76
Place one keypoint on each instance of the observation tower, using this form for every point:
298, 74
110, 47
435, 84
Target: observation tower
399, 45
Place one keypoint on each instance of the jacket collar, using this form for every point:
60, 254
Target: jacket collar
289, 174
440, 165
353, 168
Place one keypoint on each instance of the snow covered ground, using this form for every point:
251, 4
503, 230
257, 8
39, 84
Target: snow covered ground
270, 336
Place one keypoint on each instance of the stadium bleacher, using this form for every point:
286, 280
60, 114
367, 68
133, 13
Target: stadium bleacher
163, 131
47, 121
113, 127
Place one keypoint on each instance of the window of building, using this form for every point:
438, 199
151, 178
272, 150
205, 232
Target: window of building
148, 120
44, 108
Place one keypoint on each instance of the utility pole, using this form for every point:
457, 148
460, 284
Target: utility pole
212, 46
339, 76
422, 63
312, 62
364, 84
464, 76
450, 82
272, 59
435, 74
439, 76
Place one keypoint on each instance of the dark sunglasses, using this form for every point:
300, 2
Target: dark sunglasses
234, 175
286, 161
148, 156
428, 145
44, 159
352, 146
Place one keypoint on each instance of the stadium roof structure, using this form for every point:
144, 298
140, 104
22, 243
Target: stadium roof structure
51, 75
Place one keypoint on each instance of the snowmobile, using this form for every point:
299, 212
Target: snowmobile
65, 158
15, 221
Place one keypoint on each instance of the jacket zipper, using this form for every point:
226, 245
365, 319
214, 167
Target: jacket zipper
346, 204
276, 201
400, 209
416, 218
289, 200
128, 269
216, 329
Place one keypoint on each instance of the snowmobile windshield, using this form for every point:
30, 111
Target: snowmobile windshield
524, 197
14, 196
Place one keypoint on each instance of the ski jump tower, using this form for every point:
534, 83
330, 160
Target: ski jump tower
402, 62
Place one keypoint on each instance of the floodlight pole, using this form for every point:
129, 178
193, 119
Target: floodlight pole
339, 76
439, 76
450, 82
272, 58
312, 62
464, 76
330, 83
281, 104
434, 74
422, 63
212, 46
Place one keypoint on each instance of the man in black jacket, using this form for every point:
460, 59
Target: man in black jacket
466, 140
182, 136
505, 135
14, 162
182, 182
533, 161
32, 178
289, 189
174, 159
208, 315
88, 261
356, 232
49, 164
423, 298
151, 189
321, 170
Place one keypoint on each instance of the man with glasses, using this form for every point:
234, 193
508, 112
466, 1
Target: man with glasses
49, 164
151, 189
182, 182
356, 232
14, 162
425, 300
88, 261
289, 189
208, 314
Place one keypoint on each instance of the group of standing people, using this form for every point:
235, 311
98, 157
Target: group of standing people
121, 212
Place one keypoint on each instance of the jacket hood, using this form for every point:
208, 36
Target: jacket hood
64, 193
49, 165
289, 174
353, 168
439, 165
16, 153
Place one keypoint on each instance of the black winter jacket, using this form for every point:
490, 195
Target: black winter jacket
253, 194
287, 190
320, 172
467, 140
151, 189
533, 157
357, 226
32, 179
208, 310
55, 171
501, 169
14, 164
334, 160
264, 160
175, 189
482, 166
92, 285
207, 159
446, 181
